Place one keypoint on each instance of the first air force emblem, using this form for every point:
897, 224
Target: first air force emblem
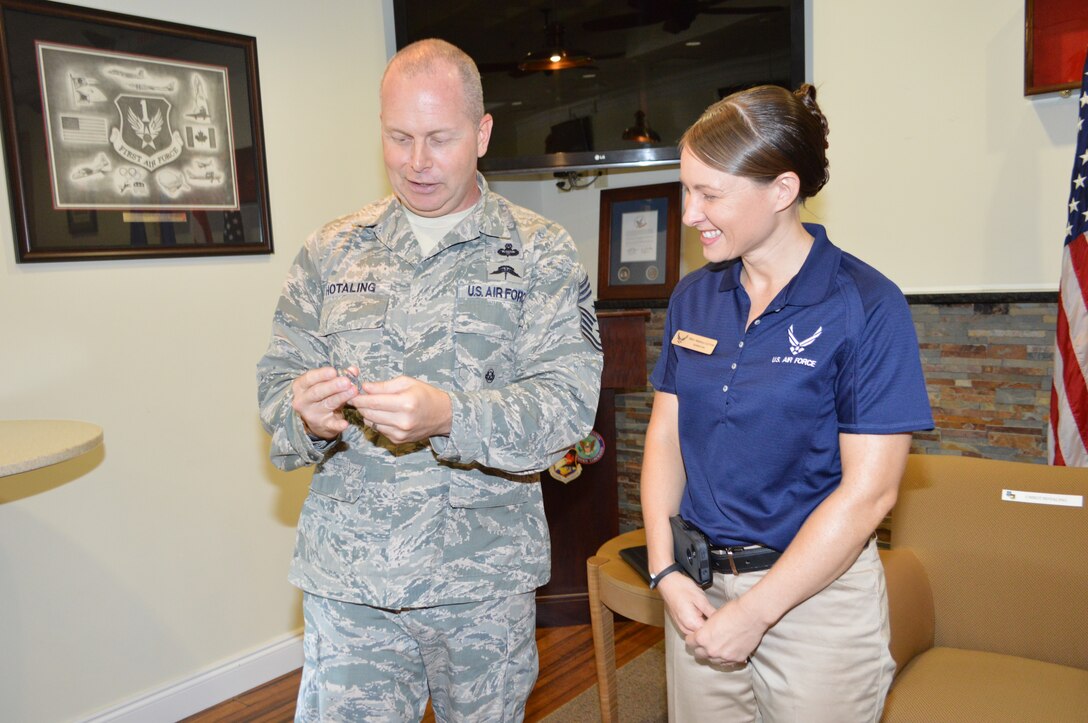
143, 135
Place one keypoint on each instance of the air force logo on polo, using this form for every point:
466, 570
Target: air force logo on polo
796, 347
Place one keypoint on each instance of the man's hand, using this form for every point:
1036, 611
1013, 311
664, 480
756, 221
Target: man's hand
405, 409
318, 397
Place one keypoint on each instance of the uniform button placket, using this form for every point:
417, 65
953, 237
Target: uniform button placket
733, 368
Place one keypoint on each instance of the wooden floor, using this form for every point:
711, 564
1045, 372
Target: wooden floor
566, 669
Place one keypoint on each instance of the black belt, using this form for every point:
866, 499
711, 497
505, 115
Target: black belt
735, 560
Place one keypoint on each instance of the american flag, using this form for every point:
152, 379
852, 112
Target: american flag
1068, 433
83, 129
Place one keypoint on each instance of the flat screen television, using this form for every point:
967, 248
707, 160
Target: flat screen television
634, 73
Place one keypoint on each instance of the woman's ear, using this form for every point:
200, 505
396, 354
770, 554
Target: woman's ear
787, 187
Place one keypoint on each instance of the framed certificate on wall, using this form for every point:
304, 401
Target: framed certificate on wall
639, 243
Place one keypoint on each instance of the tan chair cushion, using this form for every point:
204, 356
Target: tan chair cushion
960, 686
1007, 577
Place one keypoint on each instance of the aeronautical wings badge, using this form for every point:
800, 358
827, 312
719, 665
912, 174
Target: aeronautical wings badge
143, 135
507, 267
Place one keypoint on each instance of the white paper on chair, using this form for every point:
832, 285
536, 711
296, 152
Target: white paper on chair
1042, 498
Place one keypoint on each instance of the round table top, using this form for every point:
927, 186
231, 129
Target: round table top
27, 444
621, 587
617, 568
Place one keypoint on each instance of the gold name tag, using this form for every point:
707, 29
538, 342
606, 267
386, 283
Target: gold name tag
701, 344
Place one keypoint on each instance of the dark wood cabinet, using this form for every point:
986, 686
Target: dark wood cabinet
584, 513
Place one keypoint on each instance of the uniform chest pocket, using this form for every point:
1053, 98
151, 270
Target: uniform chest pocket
483, 336
353, 330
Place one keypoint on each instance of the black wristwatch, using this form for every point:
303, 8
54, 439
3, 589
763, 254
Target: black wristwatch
655, 579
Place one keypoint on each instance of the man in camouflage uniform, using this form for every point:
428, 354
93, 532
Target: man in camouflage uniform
469, 323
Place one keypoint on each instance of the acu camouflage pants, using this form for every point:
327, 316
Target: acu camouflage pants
477, 661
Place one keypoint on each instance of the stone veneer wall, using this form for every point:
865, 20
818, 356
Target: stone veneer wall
987, 367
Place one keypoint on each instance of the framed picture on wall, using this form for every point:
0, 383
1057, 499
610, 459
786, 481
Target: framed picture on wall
152, 129
639, 243
1055, 43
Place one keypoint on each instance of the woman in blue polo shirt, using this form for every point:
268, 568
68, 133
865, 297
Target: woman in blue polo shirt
788, 385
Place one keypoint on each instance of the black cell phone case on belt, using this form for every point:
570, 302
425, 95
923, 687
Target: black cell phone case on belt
692, 551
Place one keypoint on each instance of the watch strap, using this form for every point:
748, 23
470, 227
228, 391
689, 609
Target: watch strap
655, 579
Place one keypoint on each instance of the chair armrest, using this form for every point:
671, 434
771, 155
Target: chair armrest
910, 605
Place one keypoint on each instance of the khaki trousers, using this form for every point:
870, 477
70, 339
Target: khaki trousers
825, 660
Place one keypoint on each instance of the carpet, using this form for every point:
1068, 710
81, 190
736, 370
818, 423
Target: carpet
641, 686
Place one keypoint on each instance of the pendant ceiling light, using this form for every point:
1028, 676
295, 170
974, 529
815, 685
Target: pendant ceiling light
555, 55
641, 132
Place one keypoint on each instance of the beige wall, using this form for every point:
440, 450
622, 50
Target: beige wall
165, 553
